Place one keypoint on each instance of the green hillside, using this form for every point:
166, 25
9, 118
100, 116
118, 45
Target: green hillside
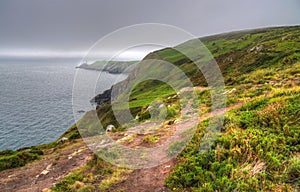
263, 65
247, 59
258, 148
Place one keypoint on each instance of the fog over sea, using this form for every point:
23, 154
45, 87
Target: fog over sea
36, 100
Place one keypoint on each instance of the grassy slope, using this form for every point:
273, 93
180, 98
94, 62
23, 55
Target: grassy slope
280, 49
258, 148
259, 145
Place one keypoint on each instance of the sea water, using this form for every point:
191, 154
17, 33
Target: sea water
36, 99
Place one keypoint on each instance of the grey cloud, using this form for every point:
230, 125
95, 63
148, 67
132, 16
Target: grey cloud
74, 25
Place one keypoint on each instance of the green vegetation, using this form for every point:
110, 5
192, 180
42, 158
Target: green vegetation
257, 150
151, 138
247, 59
175, 148
72, 133
11, 159
96, 175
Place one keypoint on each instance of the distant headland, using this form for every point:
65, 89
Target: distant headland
115, 67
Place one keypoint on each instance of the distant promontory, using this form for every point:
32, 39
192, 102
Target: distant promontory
115, 67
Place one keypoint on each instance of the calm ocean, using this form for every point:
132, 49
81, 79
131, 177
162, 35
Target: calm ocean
36, 100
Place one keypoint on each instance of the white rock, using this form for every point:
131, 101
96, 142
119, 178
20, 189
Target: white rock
49, 167
46, 190
228, 92
257, 48
149, 107
232, 90
64, 139
110, 128
176, 121
45, 172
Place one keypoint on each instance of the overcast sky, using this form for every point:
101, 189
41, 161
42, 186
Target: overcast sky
38, 27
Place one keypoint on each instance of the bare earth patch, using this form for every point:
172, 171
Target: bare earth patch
47, 171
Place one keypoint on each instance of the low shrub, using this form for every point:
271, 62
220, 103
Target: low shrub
12, 159
251, 152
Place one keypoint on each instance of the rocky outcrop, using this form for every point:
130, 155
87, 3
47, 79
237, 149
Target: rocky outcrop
103, 98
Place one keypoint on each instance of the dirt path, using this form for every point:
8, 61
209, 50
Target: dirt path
146, 180
43, 173
51, 168
152, 179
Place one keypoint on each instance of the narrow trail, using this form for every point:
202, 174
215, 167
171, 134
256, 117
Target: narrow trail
47, 171
152, 179
42, 174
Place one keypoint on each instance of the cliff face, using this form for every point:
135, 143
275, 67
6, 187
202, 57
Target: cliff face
106, 97
103, 98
